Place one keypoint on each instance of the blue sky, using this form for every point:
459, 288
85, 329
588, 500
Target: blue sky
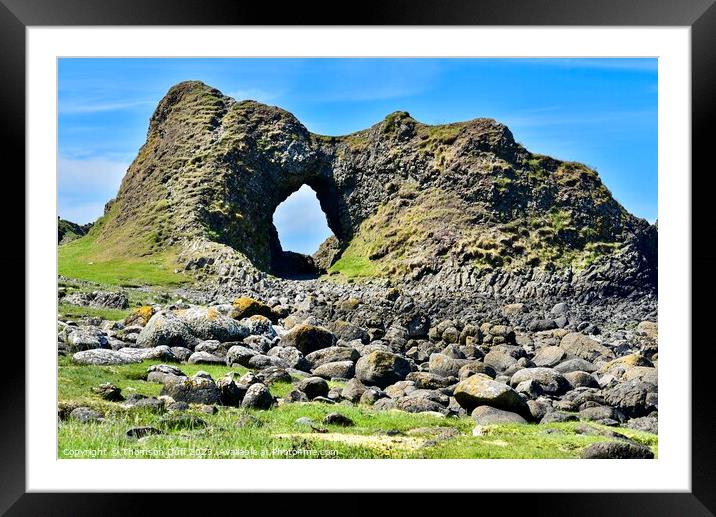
602, 112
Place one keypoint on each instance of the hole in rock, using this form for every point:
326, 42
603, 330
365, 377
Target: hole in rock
301, 228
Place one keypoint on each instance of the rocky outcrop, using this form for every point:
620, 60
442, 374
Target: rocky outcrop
452, 207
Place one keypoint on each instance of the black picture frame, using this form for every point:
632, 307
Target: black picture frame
699, 15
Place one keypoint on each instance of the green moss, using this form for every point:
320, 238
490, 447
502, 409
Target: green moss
502, 183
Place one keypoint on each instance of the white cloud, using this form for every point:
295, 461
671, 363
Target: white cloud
71, 108
85, 185
90, 176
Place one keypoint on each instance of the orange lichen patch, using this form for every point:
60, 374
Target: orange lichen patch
245, 307
140, 316
212, 313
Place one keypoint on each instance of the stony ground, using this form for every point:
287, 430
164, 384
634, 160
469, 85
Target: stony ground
323, 369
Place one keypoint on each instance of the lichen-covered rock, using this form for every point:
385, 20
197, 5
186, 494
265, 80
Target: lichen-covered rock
245, 307
99, 299
209, 323
481, 390
584, 347
140, 316
635, 398
335, 370
195, 390
103, 357
382, 369
348, 331
166, 328
162, 352
162, 372
331, 355
239, 355
86, 338
308, 338
258, 325
441, 364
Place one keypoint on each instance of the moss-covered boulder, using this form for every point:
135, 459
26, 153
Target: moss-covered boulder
245, 307
308, 338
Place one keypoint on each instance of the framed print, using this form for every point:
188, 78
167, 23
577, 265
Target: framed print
420, 253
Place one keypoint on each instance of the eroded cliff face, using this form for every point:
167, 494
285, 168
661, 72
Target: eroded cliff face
452, 205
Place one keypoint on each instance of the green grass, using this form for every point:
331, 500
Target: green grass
353, 265
276, 430
68, 310
83, 259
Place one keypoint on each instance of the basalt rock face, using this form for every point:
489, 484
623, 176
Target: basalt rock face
455, 206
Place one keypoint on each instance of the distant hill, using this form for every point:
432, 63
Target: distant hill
68, 231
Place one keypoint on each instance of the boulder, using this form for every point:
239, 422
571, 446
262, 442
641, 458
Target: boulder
163, 353
635, 398
86, 338
290, 356
195, 390
617, 450
205, 358
85, 415
259, 326
549, 380
108, 391
335, 370
419, 405
308, 338
257, 396
382, 368
488, 415
349, 331
230, 393
499, 360
239, 355
442, 364
331, 355
474, 367
245, 307
353, 390
429, 380
313, 387
166, 328
161, 373
103, 357
549, 356
575, 365
481, 390
581, 380
338, 419
209, 323
584, 347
